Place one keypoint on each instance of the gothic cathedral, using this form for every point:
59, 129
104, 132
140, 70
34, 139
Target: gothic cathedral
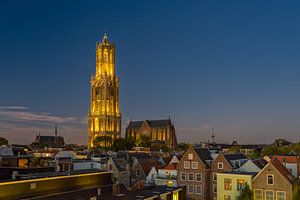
104, 118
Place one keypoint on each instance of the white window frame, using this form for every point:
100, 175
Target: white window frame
215, 188
222, 164
269, 191
197, 177
181, 173
198, 186
192, 176
186, 164
282, 192
261, 192
268, 179
188, 190
196, 165
215, 175
190, 156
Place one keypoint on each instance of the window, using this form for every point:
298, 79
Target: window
186, 164
269, 195
137, 172
227, 184
214, 188
199, 177
227, 197
190, 177
240, 184
190, 189
215, 176
110, 167
220, 165
280, 195
33, 186
258, 194
199, 189
168, 174
190, 156
183, 176
270, 179
194, 165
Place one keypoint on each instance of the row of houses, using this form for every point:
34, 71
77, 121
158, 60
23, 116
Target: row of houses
223, 176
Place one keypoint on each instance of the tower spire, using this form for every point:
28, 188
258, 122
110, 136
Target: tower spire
55, 131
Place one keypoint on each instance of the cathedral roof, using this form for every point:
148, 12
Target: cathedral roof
152, 123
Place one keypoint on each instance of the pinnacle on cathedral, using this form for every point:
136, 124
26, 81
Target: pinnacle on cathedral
105, 39
104, 118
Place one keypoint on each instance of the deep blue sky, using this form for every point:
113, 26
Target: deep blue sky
231, 65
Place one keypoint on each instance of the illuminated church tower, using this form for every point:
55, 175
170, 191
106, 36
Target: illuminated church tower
104, 115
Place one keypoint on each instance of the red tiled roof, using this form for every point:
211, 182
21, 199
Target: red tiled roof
285, 158
172, 166
148, 166
283, 170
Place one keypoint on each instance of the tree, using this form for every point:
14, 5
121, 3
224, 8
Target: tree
145, 140
102, 141
245, 193
123, 144
165, 148
3, 141
182, 146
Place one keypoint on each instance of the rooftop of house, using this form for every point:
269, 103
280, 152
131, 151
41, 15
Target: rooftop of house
204, 155
283, 170
240, 173
285, 158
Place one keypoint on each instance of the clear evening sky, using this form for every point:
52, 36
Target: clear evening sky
229, 65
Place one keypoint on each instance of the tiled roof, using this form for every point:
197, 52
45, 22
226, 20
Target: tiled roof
147, 166
260, 162
238, 156
283, 170
204, 155
172, 166
285, 158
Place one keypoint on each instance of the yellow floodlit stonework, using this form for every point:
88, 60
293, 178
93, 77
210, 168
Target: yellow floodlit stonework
104, 117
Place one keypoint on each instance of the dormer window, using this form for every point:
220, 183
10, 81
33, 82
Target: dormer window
220, 165
270, 179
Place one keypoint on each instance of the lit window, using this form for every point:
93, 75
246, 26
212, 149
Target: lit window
190, 177
175, 195
227, 197
190, 156
270, 179
199, 189
258, 194
227, 184
215, 176
199, 177
280, 195
220, 165
269, 195
190, 189
183, 176
186, 164
215, 188
194, 165
33, 186
240, 184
